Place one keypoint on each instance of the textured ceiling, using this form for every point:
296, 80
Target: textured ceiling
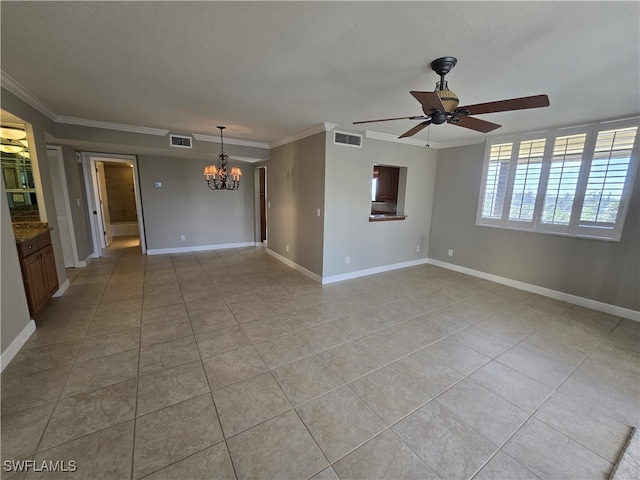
271, 70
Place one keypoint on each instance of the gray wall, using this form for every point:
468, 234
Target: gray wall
13, 300
347, 230
186, 206
599, 270
295, 190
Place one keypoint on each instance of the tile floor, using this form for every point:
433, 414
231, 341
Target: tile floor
229, 364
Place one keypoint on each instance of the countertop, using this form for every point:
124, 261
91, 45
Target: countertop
28, 231
385, 218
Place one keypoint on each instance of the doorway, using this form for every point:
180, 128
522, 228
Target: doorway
262, 194
113, 195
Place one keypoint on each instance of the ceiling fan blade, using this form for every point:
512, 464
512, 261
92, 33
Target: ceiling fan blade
521, 103
475, 124
415, 129
415, 117
429, 101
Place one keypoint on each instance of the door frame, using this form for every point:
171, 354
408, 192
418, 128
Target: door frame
67, 205
89, 160
258, 207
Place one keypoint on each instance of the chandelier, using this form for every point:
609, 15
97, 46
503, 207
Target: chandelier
220, 176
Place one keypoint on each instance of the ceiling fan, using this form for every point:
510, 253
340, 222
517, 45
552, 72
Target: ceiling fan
441, 105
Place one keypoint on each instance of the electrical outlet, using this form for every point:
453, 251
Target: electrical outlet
182, 238
417, 248
318, 212
347, 260
450, 252
287, 247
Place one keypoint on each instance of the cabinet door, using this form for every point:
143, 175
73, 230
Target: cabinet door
35, 282
49, 269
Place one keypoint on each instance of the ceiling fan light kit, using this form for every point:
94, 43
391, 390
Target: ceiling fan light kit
441, 105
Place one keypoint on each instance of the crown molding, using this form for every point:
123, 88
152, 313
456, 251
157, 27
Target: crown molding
247, 159
83, 122
230, 141
19, 91
323, 127
392, 138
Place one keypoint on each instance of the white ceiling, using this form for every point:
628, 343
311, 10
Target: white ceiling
271, 70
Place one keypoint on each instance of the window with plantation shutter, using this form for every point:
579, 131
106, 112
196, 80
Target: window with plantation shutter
563, 179
526, 180
607, 177
496, 181
567, 182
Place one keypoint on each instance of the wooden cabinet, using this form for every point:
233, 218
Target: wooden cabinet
38, 271
387, 186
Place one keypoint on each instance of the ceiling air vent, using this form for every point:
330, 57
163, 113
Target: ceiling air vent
348, 139
180, 141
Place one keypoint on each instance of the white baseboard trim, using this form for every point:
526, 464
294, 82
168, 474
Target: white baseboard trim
295, 266
17, 344
85, 262
372, 271
547, 292
63, 288
198, 248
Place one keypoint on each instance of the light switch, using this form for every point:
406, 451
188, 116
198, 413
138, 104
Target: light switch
158, 184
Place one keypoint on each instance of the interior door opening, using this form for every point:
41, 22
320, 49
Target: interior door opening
114, 199
263, 203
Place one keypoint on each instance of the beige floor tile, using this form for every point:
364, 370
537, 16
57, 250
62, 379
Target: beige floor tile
278, 448
166, 330
211, 463
383, 457
21, 431
102, 455
282, 350
549, 371
326, 474
515, 387
89, 412
482, 342
350, 361
306, 379
173, 385
339, 422
626, 336
208, 321
168, 354
249, 402
390, 394
174, 433
459, 357
102, 371
34, 359
503, 467
493, 417
249, 312
221, 340
232, 366
152, 313
20, 393
452, 449
430, 374
266, 328
598, 432
107, 344
536, 446
112, 322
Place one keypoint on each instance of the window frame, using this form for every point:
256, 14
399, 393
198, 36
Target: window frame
575, 228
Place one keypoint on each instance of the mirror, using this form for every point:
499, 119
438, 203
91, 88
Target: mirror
17, 173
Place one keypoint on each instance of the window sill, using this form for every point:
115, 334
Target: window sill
386, 218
